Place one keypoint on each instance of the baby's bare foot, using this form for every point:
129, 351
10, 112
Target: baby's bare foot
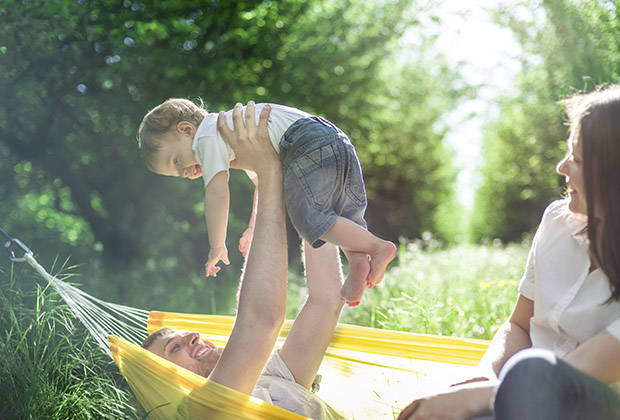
355, 284
379, 261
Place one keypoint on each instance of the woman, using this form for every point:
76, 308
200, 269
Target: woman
558, 355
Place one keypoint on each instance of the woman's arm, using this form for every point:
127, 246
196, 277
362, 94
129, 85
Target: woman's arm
599, 356
469, 399
511, 338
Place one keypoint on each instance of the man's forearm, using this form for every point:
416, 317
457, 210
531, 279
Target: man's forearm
262, 298
252, 222
264, 283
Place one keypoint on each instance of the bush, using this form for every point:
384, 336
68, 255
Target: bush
462, 291
569, 46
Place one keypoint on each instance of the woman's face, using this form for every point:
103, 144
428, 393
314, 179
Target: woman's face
571, 167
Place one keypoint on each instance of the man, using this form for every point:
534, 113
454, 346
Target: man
290, 372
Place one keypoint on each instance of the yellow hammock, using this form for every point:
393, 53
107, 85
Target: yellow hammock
367, 373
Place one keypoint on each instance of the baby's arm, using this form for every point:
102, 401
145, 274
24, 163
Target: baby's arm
217, 198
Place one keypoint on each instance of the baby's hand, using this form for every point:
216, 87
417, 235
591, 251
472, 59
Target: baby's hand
246, 241
216, 254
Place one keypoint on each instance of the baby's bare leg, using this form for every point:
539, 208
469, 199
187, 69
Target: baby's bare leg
356, 283
354, 239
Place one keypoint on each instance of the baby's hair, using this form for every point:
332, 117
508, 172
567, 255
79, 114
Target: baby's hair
164, 117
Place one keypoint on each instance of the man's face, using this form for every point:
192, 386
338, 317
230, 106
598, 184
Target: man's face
187, 350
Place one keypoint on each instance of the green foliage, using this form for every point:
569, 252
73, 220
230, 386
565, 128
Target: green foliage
79, 75
570, 45
409, 171
50, 367
462, 291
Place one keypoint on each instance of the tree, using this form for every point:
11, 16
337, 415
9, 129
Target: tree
570, 46
79, 75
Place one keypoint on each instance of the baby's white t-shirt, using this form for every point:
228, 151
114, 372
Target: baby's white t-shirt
214, 154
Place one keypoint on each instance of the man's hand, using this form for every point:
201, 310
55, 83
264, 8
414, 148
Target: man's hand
216, 254
251, 143
246, 241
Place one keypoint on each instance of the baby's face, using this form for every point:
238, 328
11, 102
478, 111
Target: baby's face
175, 156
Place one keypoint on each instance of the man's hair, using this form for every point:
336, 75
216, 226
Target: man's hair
164, 117
595, 122
148, 342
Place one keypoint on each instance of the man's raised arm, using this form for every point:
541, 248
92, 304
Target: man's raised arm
262, 298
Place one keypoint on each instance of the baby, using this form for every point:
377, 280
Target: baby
323, 186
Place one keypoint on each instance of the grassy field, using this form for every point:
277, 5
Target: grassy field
52, 369
466, 290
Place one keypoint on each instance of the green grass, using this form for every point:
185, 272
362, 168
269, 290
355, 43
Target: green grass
49, 367
464, 291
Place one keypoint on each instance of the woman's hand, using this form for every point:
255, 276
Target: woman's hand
458, 403
472, 380
251, 143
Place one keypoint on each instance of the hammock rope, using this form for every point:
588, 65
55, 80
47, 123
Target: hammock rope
367, 373
101, 319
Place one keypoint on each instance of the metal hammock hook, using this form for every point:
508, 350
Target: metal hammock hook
9, 249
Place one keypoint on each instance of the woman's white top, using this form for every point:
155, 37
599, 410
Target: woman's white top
569, 300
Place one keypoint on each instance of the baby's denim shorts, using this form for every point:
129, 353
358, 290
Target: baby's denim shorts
322, 178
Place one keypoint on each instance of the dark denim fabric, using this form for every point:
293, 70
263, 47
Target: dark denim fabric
322, 178
535, 385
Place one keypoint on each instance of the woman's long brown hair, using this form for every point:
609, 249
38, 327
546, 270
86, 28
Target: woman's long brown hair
595, 119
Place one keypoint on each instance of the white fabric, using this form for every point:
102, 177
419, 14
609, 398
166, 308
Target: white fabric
212, 152
277, 386
614, 328
569, 301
